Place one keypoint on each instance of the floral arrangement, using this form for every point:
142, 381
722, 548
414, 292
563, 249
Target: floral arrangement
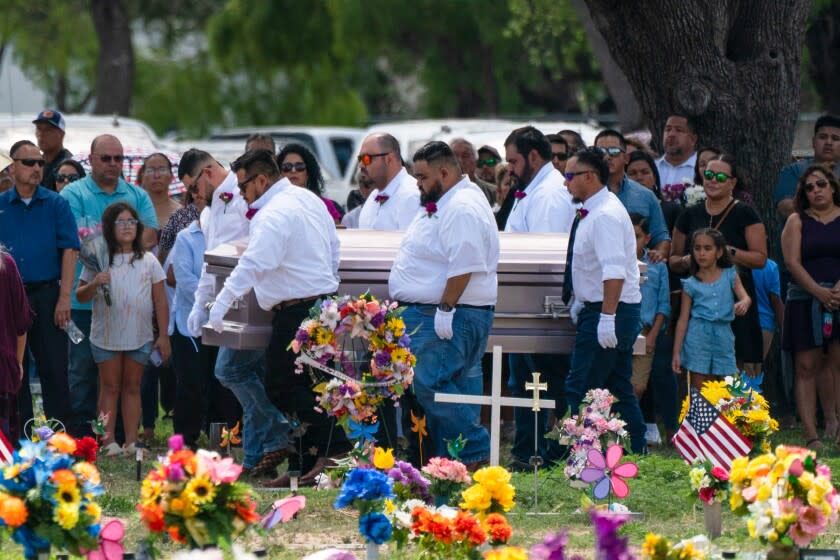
595, 427
686, 192
195, 497
48, 497
507, 553
786, 496
745, 409
657, 547
325, 338
448, 477
367, 490
708, 482
409, 483
492, 493
450, 533
607, 542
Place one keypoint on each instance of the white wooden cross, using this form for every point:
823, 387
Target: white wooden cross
496, 402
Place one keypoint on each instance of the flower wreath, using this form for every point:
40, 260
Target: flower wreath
325, 341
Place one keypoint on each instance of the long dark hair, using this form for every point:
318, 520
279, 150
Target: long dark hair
109, 224
800, 199
698, 179
639, 155
720, 243
314, 178
142, 170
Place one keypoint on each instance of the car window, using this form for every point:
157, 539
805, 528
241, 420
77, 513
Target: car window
343, 148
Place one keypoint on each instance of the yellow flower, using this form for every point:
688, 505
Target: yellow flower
504, 496
324, 336
66, 515
738, 472
764, 492
396, 326
88, 472
399, 355
735, 500
200, 490
383, 459
68, 495
476, 498
150, 492
63, 443
94, 511
806, 480
506, 553
492, 477
183, 506
389, 506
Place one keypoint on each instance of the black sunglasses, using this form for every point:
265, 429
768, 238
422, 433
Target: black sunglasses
31, 162
243, 186
821, 183
299, 166
69, 178
489, 162
562, 156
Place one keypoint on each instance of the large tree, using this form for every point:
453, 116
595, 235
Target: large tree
734, 65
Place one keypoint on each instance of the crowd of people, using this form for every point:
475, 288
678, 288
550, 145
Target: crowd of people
710, 305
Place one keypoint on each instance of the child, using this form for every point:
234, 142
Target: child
705, 345
121, 333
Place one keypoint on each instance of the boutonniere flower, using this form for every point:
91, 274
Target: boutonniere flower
519, 195
226, 197
382, 198
582, 213
431, 208
251, 212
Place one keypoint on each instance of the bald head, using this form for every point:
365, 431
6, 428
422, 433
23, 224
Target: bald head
379, 159
106, 159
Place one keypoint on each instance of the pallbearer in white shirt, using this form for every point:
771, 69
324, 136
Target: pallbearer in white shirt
394, 201
291, 261
605, 282
445, 273
264, 434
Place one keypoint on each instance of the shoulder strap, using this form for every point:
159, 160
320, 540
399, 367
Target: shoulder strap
726, 212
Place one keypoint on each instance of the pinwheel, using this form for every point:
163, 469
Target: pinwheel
110, 545
455, 446
606, 473
283, 510
230, 437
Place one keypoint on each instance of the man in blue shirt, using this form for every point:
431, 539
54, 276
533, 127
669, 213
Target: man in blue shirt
38, 229
88, 198
634, 196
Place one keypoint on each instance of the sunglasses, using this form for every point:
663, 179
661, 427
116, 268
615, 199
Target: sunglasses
489, 162
367, 159
569, 175
126, 223
105, 158
821, 183
299, 166
69, 178
243, 186
719, 177
562, 156
612, 151
32, 162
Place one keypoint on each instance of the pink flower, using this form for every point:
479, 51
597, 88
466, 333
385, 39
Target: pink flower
707, 495
720, 473
221, 470
796, 468
226, 197
812, 520
749, 493
381, 198
582, 213
519, 195
251, 213
431, 208
176, 442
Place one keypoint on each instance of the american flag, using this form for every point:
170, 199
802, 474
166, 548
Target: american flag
6, 450
706, 434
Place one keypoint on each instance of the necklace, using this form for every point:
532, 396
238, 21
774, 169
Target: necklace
821, 216
709, 212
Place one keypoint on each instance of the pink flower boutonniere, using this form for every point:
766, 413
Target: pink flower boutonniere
381, 198
582, 213
226, 197
431, 208
519, 195
251, 212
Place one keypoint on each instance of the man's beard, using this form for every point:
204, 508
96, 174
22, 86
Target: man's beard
521, 183
432, 195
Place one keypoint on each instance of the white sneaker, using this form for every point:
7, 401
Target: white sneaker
652, 434
130, 450
113, 449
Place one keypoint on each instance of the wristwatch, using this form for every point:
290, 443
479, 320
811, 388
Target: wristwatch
445, 307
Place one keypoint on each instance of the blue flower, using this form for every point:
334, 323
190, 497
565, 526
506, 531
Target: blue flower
375, 527
364, 484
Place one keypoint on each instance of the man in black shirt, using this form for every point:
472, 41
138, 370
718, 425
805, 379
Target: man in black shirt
49, 131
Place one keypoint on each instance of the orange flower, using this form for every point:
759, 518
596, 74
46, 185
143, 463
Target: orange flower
247, 511
175, 534
63, 477
13, 511
498, 528
152, 516
186, 457
63, 443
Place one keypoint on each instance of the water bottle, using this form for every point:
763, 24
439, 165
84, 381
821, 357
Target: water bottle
73, 332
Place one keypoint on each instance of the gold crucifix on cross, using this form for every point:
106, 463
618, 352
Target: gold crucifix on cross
535, 386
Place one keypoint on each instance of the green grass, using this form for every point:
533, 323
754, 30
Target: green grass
659, 493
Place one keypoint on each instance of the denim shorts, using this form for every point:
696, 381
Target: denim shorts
141, 355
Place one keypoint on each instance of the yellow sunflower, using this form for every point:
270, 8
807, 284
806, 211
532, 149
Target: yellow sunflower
66, 515
200, 490
150, 492
68, 495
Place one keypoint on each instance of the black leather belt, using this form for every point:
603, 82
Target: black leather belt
290, 302
30, 286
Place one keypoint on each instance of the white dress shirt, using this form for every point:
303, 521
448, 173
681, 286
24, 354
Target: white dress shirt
221, 222
547, 206
460, 238
293, 251
395, 213
605, 249
672, 174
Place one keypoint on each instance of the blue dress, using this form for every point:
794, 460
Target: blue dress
709, 345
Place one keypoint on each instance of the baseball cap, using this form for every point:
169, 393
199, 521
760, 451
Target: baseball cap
491, 150
50, 117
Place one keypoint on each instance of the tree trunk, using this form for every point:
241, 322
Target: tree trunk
115, 67
630, 115
731, 64
823, 40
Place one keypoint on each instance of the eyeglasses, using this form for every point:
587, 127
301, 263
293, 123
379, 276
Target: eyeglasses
562, 156
367, 159
821, 183
611, 151
299, 166
243, 186
69, 178
569, 175
31, 162
157, 171
116, 158
719, 177
126, 223
489, 162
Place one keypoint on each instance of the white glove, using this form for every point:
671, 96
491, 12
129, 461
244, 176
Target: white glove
219, 310
575, 309
196, 318
443, 323
606, 331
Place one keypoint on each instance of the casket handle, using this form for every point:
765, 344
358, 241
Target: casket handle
553, 315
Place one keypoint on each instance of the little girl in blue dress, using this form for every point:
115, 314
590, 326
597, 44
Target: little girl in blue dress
703, 342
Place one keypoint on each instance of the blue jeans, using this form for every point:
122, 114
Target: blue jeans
553, 368
264, 427
83, 376
450, 366
594, 367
